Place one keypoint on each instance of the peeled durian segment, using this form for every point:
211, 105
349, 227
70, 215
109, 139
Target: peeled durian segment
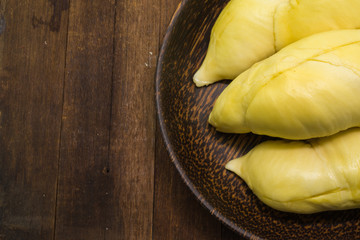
248, 31
304, 177
297, 19
241, 36
309, 89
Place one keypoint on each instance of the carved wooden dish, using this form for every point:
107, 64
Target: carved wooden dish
200, 153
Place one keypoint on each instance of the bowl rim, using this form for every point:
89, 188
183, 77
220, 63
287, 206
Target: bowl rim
165, 44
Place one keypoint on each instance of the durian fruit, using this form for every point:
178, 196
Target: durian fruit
309, 89
248, 31
297, 19
304, 177
242, 35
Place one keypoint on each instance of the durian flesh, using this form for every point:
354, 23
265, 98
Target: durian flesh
309, 89
304, 177
242, 35
248, 31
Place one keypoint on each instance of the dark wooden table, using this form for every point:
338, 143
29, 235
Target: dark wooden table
81, 153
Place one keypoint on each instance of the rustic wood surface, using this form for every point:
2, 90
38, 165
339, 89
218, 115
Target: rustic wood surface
81, 153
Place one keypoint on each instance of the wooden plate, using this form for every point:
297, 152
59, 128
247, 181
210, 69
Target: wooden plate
200, 153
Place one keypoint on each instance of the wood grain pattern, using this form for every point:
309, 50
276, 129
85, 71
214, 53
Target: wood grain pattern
31, 84
85, 181
178, 214
81, 152
133, 119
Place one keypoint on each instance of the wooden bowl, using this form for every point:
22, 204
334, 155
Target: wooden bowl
200, 153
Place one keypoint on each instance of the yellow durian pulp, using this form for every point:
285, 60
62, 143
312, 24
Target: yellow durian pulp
297, 19
242, 34
304, 177
248, 31
309, 89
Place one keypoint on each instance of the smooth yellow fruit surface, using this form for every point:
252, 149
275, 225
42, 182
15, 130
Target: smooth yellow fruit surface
242, 35
297, 19
309, 89
304, 177
248, 31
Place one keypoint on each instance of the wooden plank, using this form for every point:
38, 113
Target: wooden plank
228, 234
32, 57
85, 179
178, 215
133, 116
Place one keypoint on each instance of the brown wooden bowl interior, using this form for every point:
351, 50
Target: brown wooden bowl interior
200, 153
